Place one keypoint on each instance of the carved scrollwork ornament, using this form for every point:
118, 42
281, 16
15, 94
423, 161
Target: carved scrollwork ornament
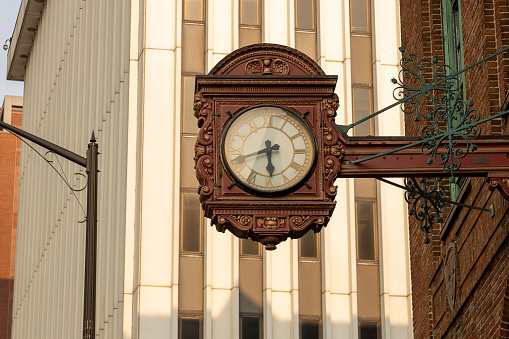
333, 149
203, 149
254, 67
330, 105
267, 66
302, 222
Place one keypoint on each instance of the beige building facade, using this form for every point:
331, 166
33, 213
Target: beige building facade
125, 69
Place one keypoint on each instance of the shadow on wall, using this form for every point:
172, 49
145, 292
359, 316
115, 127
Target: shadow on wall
156, 326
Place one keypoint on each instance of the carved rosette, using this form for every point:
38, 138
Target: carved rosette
203, 149
502, 184
334, 148
254, 67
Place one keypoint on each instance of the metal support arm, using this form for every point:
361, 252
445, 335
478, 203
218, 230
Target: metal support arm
90, 163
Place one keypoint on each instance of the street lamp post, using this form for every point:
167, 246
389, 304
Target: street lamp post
90, 164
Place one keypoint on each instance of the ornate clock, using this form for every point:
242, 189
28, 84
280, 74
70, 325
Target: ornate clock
267, 152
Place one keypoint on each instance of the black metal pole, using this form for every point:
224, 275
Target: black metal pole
91, 231
91, 243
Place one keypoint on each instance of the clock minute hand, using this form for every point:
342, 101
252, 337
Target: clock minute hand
241, 158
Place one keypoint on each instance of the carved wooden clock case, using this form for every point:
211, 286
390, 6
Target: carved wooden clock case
267, 152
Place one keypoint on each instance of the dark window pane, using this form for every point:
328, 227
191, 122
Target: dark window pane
368, 291
359, 16
365, 188
190, 328
250, 328
249, 12
368, 330
249, 247
308, 245
306, 43
362, 63
309, 329
250, 285
189, 124
187, 172
366, 230
191, 283
193, 48
191, 223
249, 36
310, 285
361, 109
305, 12
193, 10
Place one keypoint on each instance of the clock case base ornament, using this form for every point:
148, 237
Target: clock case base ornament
267, 74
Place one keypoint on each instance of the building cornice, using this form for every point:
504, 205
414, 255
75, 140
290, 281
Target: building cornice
22, 39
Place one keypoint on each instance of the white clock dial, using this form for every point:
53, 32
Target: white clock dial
268, 149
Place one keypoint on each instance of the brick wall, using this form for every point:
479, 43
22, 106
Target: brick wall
481, 242
9, 181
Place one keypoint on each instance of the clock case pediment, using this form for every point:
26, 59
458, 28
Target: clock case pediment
267, 74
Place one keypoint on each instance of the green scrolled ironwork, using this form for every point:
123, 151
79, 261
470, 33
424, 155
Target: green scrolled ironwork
427, 199
427, 202
433, 94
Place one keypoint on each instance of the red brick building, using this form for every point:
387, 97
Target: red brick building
460, 280
9, 177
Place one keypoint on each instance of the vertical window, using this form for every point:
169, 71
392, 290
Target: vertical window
305, 27
453, 55
310, 286
191, 223
366, 227
191, 216
362, 66
250, 290
250, 29
368, 285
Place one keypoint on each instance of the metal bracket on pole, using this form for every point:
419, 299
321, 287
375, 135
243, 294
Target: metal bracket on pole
90, 163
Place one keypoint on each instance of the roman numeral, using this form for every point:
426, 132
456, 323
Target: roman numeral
296, 136
235, 151
237, 135
296, 166
268, 120
300, 151
268, 182
251, 124
251, 178
285, 179
237, 167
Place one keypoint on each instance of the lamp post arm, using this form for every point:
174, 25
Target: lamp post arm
77, 159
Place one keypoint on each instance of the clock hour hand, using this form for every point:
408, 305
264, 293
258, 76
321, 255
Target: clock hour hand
270, 167
241, 158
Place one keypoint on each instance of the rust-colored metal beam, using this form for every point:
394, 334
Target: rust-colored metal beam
491, 156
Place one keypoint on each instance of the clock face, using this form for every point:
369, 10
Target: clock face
268, 149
